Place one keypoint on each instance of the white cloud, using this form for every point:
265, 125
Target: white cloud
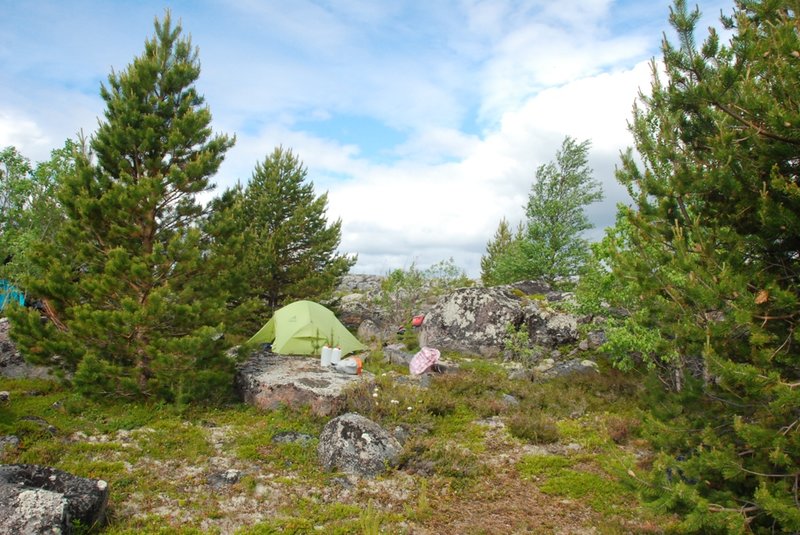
479, 92
422, 212
21, 132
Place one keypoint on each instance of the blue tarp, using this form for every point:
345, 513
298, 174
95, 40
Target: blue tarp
9, 293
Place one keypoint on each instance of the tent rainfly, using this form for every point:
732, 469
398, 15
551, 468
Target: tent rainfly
302, 328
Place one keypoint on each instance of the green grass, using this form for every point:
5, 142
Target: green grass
158, 459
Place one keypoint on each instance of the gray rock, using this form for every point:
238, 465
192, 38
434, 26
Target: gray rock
397, 354
8, 442
520, 374
532, 287
549, 328
285, 437
474, 320
357, 446
39, 499
219, 480
369, 332
353, 309
12, 364
471, 321
583, 345
363, 284
508, 399
596, 338
268, 381
417, 381
5, 395
425, 380
569, 367
42, 423
401, 434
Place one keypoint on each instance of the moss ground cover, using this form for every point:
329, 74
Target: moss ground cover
473, 461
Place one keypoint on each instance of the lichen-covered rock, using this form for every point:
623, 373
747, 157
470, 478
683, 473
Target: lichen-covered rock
39, 499
551, 369
358, 283
267, 381
471, 320
474, 320
369, 332
549, 328
358, 446
354, 309
596, 339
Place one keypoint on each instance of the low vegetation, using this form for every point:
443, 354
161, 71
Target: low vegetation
474, 461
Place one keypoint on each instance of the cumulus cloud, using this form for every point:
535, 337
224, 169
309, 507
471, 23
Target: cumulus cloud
434, 211
22, 132
463, 100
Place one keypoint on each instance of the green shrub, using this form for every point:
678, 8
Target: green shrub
533, 427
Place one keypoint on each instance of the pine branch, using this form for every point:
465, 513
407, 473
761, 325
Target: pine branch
761, 130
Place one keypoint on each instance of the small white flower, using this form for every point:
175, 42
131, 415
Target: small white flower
395, 401
410, 408
374, 394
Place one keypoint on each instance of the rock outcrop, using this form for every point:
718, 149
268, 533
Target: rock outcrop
471, 320
38, 499
358, 446
267, 381
358, 283
549, 328
354, 309
474, 320
12, 364
550, 369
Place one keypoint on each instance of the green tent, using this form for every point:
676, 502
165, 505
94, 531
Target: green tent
302, 328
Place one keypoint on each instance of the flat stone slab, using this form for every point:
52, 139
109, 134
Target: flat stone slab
267, 381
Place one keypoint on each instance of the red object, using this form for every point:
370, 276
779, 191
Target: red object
417, 320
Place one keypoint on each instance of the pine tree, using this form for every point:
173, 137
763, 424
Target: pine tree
495, 249
126, 281
714, 260
286, 250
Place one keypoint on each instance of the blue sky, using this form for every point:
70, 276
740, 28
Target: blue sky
423, 120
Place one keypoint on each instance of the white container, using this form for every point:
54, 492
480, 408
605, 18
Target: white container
325, 357
336, 355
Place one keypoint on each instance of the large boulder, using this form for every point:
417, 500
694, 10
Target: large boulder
267, 381
472, 320
354, 309
358, 446
359, 283
12, 364
39, 499
549, 328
